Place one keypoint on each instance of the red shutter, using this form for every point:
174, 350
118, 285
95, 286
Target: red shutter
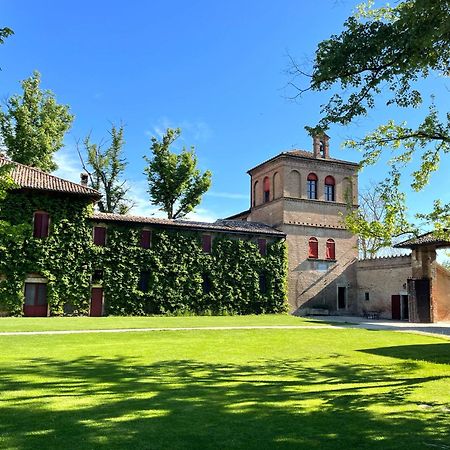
331, 253
37, 225
41, 224
206, 243
146, 238
313, 248
262, 244
100, 236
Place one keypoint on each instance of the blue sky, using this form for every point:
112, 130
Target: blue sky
217, 69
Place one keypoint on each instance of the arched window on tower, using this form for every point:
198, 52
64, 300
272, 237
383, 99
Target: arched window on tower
255, 193
331, 249
313, 248
266, 190
312, 186
329, 189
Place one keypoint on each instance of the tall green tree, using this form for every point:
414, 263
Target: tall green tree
33, 125
105, 168
174, 182
382, 56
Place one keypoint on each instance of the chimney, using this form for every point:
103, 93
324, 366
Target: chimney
321, 146
83, 179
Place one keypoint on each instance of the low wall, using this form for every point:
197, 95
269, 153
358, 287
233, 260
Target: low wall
441, 294
378, 279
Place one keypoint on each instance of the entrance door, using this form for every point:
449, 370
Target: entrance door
342, 301
96, 302
395, 308
35, 300
405, 310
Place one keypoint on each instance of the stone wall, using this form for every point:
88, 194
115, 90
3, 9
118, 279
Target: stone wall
381, 278
441, 294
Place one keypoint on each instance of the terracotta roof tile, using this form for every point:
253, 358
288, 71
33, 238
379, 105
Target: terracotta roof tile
27, 177
234, 226
424, 240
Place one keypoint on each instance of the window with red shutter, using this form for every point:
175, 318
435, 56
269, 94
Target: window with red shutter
262, 245
146, 238
329, 189
331, 252
100, 236
313, 248
206, 243
312, 186
41, 222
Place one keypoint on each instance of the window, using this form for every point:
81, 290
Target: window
331, 251
313, 248
97, 276
146, 238
329, 188
100, 236
312, 186
266, 190
366, 296
206, 284
206, 243
41, 223
262, 283
144, 281
262, 245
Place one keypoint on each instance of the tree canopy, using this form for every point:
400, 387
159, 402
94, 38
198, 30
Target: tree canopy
175, 184
33, 125
105, 168
381, 56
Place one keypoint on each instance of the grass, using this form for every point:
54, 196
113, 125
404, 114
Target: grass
107, 323
227, 389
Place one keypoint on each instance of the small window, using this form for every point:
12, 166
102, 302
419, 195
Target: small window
313, 248
100, 236
312, 186
146, 238
144, 281
366, 296
262, 245
266, 190
41, 223
206, 243
262, 283
329, 189
206, 284
331, 250
97, 276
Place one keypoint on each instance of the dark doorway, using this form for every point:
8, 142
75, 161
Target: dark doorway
404, 307
96, 302
35, 300
342, 294
422, 288
395, 307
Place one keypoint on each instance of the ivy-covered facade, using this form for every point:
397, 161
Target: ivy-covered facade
67, 259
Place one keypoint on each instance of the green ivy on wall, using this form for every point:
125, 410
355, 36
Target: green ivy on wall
181, 278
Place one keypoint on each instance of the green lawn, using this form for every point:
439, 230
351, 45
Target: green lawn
228, 389
105, 323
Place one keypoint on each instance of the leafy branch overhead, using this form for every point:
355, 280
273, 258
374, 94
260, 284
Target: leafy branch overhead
382, 55
175, 183
105, 169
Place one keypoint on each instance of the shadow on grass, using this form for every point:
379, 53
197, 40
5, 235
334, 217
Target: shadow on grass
121, 403
434, 353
